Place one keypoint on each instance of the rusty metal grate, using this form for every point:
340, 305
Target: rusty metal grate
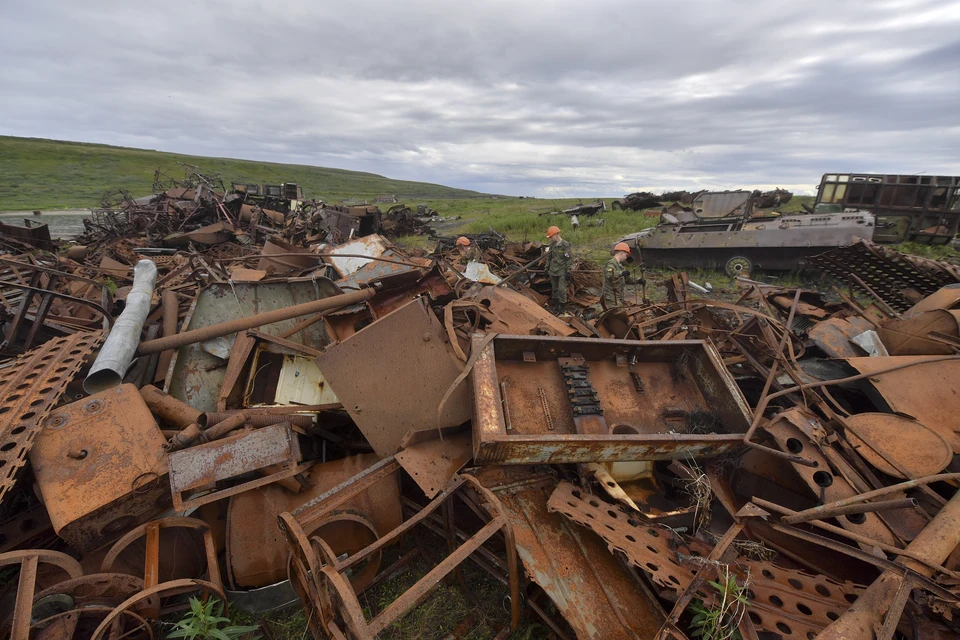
28, 391
887, 272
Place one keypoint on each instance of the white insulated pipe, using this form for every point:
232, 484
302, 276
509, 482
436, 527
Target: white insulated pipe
121, 344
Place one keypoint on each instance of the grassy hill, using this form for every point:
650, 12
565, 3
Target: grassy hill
51, 174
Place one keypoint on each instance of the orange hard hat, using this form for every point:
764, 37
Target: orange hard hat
463, 241
622, 246
552, 231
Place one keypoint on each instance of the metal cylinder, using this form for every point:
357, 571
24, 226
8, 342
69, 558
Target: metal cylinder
251, 322
221, 429
257, 420
168, 409
118, 349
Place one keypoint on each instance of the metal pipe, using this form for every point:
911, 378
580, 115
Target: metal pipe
169, 409
850, 509
879, 493
258, 420
933, 544
171, 314
251, 322
224, 427
859, 538
118, 349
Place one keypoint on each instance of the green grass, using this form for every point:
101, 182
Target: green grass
50, 174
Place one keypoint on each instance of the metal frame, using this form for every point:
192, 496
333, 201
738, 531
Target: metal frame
317, 574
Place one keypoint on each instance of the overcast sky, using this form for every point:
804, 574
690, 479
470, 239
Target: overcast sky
540, 98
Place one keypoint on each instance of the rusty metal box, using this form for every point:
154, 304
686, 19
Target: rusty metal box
541, 399
100, 467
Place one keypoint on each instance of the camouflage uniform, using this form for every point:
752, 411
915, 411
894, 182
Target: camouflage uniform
559, 264
615, 281
469, 254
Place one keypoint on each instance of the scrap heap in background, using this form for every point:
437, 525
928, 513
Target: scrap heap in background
241, 393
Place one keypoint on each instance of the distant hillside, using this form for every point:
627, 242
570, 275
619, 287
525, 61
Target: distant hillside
50, 174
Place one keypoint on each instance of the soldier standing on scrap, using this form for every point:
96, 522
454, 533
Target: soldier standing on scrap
559, 264
468, 252
615, 278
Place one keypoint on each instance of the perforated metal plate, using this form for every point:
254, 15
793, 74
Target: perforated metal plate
28, 391
786, 602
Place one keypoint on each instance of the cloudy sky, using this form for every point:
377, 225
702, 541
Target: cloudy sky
546, 98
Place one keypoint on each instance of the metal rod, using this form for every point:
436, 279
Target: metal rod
251, 322
879, 493
865, 507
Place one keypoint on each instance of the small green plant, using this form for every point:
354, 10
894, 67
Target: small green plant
110, 285
203, 622
720, 622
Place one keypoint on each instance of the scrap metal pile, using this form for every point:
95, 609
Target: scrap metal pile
302, 419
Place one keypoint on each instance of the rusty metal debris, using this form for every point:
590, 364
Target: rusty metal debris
314, 413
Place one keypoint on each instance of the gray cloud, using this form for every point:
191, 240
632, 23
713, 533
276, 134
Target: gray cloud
541, 98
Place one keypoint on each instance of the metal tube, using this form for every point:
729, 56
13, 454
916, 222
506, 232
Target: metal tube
879, 493
223, 428
257, 420
169, 409
118, 349
171, 314
934, 544
251, 322
863, 507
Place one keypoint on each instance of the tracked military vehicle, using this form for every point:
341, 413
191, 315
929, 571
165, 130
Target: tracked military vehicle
721, 231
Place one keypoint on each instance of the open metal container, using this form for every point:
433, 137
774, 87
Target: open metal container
557, 400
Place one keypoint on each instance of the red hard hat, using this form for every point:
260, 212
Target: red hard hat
622, 246
552, 231
463, 241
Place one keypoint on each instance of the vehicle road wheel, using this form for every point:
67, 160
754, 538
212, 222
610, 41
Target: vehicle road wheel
738, 266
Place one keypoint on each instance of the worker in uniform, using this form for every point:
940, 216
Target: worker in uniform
559, 264
616, 277
468, 252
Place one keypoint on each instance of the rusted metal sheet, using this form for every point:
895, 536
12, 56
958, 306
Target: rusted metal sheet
910, 336
661, 400
927, 392
785, 602
592, 590
392, 375
515, 314
28, 391
100, 467
928, 452
205, 464
36, 235
197, 375
256, 552
432, 459
834, 336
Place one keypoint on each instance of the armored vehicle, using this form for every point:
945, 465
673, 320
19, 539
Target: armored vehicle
722, 232
907, 207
